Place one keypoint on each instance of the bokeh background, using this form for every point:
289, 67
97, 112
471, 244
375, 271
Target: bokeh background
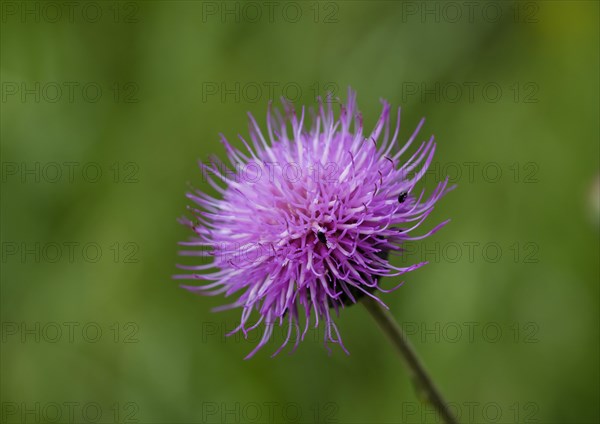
95, 330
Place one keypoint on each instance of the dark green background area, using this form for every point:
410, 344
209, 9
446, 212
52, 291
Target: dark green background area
511, 331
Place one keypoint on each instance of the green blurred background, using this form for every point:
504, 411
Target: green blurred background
138, 91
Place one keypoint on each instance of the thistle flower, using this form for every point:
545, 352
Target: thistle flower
305, 219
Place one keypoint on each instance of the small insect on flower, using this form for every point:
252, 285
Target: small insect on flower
259, 232
321, 237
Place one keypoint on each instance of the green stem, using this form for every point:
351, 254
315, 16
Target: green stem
423, 382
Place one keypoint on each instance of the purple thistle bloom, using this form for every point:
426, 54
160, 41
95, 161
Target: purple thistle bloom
305, 219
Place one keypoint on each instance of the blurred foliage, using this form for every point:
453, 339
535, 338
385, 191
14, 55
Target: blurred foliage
154, 62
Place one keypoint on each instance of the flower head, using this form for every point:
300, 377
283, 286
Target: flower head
304, 219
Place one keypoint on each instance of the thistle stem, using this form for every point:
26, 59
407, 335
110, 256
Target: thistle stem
423, 382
